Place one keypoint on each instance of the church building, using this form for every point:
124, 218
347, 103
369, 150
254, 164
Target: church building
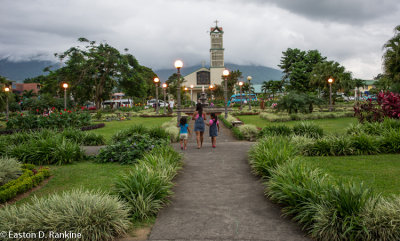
204, 77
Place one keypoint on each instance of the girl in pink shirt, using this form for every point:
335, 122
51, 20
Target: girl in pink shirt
214, 129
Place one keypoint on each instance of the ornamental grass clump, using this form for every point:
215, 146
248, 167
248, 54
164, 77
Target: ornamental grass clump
50, 150
381, 218
390, 141
248, 131
156, 132
95, 215
270, 152
275, 130
298, 187
339, 216
10, 169
85, 138
308, 129
365, 144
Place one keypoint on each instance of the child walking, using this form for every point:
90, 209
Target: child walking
214, 129
183, 132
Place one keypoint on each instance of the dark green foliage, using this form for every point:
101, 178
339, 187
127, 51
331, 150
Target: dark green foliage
270, 152
50, 150
83, 137
237, 133
25, 182
147, 187
298, 102
390, 141
276, 130
95, 215
364, 144
308, 129
299, 188
10, 169
157, 133
128, 149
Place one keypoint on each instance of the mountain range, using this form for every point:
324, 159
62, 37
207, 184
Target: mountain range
18, 71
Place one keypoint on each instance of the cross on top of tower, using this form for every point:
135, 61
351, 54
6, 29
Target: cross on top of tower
216, 23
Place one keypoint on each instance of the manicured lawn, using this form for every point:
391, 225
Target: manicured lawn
87, 175
114, 126
382, 172
336, 125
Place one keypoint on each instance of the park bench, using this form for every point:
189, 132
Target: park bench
236, 123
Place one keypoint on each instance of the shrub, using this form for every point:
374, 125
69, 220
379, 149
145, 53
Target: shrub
157, 133
95, 215
237, 133
23, 183
321, 147
382, 218
364, 144
298, 187
276, 130
171, 128
129, 150
308, 129
10, 169
339, 217
144, 189
47, 150
61, 119
390, 141
249, 132
269, 152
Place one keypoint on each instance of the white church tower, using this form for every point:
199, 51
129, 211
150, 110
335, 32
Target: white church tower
204, 77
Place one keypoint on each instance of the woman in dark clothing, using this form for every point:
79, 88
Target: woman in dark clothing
199, 116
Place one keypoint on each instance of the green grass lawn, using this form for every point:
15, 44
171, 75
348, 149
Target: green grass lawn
381, 172
336, 125
114, 126
87, 175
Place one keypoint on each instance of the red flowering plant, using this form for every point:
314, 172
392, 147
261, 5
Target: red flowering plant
386, 105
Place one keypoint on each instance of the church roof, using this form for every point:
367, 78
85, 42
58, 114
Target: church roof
201, 69
216, 29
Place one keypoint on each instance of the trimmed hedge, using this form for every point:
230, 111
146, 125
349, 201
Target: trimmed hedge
29, 179
313, 116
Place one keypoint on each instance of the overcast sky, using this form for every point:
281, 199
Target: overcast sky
157, 32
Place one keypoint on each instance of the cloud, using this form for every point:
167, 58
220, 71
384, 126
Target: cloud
158, 32
344, 11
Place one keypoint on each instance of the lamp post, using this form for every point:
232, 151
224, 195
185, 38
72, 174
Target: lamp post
191, 94
164, 86
185, 89
225, 73
249, 79
241, 97
330, 81
65, 86
7, 89
178, 66
211, 87
156, 81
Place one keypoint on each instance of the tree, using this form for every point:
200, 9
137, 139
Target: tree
173, 85
94, 70
325, 70
232, 78
391, 57
28, 94
297, 66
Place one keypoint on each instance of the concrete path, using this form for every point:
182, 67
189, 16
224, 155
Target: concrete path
217, 198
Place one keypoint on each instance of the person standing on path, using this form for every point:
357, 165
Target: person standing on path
183, 132
199, 116
214, 129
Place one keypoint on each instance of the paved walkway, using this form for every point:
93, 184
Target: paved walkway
217, 198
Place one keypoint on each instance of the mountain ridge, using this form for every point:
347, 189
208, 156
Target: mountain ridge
19, 71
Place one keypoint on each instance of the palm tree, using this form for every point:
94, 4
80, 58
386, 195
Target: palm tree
391, 57
266, 86
28, 94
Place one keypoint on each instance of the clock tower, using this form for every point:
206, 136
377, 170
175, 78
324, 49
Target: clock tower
217, 48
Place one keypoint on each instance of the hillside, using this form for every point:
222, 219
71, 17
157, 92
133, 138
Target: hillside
259, 73
18, 71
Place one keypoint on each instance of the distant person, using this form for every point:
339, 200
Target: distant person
199, 125
184, 131
214, 129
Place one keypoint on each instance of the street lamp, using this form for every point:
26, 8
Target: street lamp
65, 86
330, 81
178, 66
156, 81
191, 94
7, 89
185, 89
211, 87
249, 79
241, 97
225, 73
164, 86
